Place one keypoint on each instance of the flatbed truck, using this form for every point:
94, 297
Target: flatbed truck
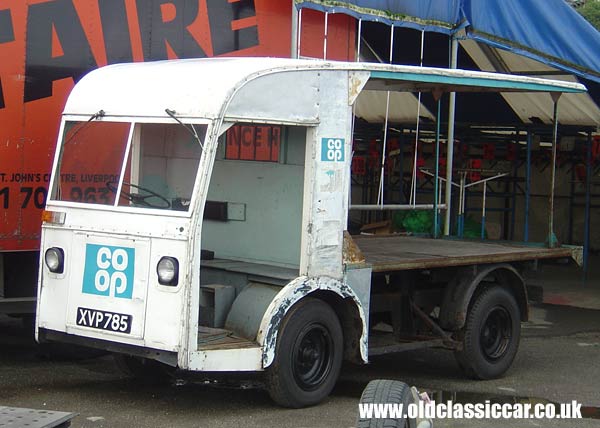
220, 241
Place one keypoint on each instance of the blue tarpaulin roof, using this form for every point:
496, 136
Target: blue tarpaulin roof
549, 31
433, 15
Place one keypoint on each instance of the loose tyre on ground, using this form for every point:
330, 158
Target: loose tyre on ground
384, 391
308, 356
491, 334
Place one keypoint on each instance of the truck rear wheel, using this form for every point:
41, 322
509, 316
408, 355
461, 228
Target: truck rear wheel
308, 356
491, 334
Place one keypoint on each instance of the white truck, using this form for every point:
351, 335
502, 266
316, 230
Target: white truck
219, 243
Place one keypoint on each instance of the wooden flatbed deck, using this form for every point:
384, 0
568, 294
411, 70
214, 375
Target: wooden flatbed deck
395, 253
217, 338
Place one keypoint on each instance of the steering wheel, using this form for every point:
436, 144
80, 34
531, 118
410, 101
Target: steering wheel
140, 199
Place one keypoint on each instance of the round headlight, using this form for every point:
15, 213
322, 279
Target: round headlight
168, 271
55, 259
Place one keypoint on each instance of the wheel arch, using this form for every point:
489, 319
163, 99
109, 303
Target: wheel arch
468, 282
336, 294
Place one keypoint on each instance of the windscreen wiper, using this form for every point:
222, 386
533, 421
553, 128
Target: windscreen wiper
190, 128
97, 115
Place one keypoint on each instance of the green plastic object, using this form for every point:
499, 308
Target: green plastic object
472, 229
420, 222
397, 219
414, 221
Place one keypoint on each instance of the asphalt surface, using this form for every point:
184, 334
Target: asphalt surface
558, 361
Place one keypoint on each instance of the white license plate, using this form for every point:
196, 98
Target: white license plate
104, 320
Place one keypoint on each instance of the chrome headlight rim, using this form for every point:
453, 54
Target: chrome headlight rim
167, 271
54, 257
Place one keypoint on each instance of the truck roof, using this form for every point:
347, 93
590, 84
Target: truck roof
202, 88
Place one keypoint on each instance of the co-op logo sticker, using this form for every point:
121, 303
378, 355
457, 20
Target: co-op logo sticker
109, 271
332, 150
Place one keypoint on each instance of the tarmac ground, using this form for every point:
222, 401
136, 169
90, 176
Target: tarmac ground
557, 363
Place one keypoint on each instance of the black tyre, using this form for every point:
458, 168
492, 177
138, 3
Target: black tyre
148, 372
383, 391
308, 356
491, 334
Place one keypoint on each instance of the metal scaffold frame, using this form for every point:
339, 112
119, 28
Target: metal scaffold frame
444, 203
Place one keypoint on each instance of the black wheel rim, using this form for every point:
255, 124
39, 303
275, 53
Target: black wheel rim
496, 333
312, 356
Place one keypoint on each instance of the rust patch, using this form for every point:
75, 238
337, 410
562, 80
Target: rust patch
351, 253
354, 89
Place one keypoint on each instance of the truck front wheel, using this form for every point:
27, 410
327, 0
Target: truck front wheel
308, 355
491, 334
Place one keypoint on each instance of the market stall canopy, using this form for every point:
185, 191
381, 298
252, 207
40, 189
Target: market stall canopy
537, 25
533, 28
575, 109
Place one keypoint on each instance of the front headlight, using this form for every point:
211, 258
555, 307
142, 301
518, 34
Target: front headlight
168, 271
55, 259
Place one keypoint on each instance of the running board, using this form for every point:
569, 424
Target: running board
408, 346
219, 350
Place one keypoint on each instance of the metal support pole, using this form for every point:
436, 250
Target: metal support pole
437, 169
395, 207
358, 41
413, 185
527, 188
483, 211
380, 195
571, 197
440, 190
294, 46
325, 35
401, 167
299, 41
552, 241
513, 208
588, 205
461, 208
450, 142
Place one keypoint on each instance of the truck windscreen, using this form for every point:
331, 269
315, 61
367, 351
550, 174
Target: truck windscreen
156, 169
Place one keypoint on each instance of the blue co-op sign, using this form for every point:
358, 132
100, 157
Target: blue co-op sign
109, 271
332, 150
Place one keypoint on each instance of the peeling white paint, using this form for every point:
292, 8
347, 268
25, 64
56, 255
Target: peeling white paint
292, 293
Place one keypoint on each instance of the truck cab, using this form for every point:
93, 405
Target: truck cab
197, 217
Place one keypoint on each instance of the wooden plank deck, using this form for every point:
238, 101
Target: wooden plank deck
395, 253
216, 338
